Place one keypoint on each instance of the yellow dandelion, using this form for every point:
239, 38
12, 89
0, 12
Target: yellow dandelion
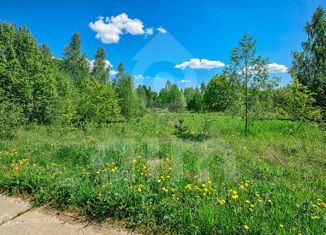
242, 187
222, 202
235, 196
247, 201
252, 205
257, 194
281, 226
259, 200
315, 217
246, 185
246, 227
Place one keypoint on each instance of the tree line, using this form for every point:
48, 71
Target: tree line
36, 87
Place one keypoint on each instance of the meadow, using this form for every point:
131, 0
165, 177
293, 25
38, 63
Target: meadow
211, 179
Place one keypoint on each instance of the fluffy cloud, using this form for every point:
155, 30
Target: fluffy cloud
113, 72
277, 68
110, 29
91, 64
161, 29
139, 77
272, 68
200, 64
184, 81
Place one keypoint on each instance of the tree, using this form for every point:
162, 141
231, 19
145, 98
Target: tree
28, 74
99, 103
194, 99
196, 102
202, 87
248, 74
126, 94
100, 71
217, 94
296, 102
310, 64
120, 74
75, 63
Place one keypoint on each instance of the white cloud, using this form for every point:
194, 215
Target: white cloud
149, 31
200, 64
113, 72
161, 29
139, 77
277, 68
157, 78
91, 64
184, 81
110, 29
272, 68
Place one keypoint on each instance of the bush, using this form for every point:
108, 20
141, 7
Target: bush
10, 119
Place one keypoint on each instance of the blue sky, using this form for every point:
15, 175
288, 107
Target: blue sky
184, 41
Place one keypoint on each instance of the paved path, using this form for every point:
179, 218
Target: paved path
17, 217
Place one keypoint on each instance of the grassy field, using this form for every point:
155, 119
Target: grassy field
268, 181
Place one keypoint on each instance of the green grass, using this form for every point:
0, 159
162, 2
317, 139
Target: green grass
271, 179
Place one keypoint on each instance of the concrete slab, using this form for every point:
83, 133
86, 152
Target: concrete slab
39, 222
11, 207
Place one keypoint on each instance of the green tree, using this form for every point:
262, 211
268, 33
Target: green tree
194, 99
124, 86
310, 64
99, 103
28, 75
74, 63
100, 71
296, 102
248, 73
217, 94
172, 98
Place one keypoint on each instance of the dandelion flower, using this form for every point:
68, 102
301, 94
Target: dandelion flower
235, 196
246, 227
247, 201
281, 226
222, 202
315, 217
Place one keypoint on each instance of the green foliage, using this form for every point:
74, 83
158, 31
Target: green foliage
194, 99
296, 102
98, 103
146, 96
310, 64
248, 74
99, 71
217, 94
11, 119
28, 74
172, 98
74, 63
126, 94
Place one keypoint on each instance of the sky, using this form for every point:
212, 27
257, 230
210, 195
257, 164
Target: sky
185, 41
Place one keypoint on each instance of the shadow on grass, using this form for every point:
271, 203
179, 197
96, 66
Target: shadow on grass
198, 137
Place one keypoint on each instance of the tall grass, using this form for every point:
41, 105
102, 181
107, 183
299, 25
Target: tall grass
268, 181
